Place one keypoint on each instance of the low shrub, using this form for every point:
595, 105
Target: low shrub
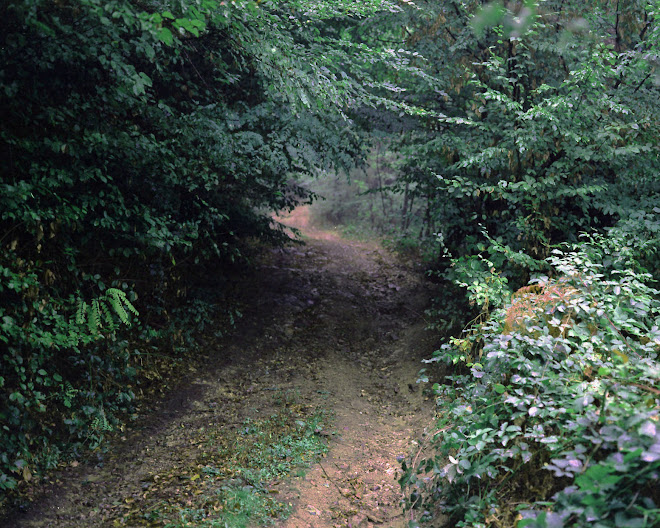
553, 419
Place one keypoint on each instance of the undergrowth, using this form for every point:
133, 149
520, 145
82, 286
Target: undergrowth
65, 408
552, 417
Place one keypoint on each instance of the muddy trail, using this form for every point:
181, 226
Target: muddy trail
334, 325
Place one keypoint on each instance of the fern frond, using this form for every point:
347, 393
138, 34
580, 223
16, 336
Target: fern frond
117, 300
131, 308
100, 422
81, 312
102, 312
94, 317
107, 317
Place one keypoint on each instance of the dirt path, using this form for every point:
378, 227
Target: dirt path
338, 322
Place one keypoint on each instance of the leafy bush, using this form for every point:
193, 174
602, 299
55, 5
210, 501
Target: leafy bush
145, 144
59, 377
554, 418
542, 122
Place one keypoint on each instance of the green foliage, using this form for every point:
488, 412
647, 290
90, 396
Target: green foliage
101, 312
549, 418
554, 419
146, 145
487, 289
58, 375
547, 124
514, 139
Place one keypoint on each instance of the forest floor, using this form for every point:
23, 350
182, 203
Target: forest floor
334, 329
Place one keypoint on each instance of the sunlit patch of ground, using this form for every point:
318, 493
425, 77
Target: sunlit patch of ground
300, 220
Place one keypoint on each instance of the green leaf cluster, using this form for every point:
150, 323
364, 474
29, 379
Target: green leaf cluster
553, 418
537, 127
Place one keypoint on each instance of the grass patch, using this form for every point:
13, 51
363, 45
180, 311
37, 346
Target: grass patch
229, 481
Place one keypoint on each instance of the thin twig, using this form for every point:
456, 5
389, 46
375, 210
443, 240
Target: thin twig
341, 492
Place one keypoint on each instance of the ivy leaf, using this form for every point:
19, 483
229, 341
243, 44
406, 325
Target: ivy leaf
648, 428
165, 36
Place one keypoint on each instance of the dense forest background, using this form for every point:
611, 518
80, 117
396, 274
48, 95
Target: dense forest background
146, 144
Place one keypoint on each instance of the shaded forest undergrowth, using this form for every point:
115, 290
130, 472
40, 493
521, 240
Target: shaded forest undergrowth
321, 372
